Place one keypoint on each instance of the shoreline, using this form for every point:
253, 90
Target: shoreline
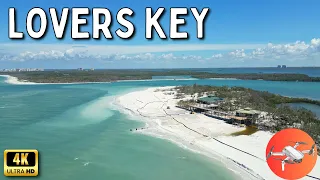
150, 107
15, 81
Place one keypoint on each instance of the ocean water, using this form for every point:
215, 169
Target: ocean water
73, 124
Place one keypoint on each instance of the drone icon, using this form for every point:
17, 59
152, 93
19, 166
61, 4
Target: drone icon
294, 156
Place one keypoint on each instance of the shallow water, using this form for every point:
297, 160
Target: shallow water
65, 122
311, 107
68, 122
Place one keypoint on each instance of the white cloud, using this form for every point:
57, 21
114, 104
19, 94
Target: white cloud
297, 53
294, 51
237, 53
217, 56
120, 49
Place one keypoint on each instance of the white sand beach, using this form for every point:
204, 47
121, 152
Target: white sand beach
246, 157
16, 81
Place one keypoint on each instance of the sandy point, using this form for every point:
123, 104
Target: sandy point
244, 155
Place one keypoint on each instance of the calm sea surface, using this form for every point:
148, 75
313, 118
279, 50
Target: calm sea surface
65, 122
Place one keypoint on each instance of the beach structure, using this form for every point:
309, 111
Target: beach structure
247, 112
210, 99
237, 120
204, 104
218, 114
209, 106
207, 103
209, 110
245, 116
198, 107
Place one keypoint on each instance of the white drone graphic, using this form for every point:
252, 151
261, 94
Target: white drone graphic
294, 156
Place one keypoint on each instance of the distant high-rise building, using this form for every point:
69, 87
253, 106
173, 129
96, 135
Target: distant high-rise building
21, 70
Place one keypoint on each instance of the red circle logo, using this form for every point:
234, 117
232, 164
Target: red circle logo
291, 154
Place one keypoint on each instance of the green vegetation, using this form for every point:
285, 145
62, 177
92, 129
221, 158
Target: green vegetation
276, 118
242, 97
267, 77
68, 76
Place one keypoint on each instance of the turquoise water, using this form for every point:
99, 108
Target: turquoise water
65, 122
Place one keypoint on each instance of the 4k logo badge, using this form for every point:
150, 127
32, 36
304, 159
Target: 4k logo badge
21, 162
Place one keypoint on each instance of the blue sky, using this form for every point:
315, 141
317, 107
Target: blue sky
237, 34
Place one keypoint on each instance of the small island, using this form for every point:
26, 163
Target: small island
232, 125
77, 76
261, 109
